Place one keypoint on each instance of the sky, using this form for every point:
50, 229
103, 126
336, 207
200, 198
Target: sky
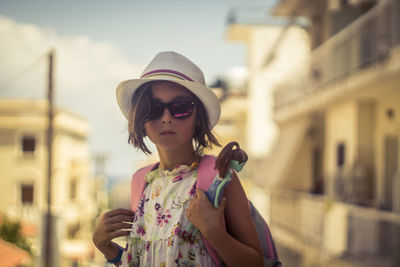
100, 43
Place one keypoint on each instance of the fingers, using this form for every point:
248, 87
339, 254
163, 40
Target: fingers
118, 234
118, 226
120, 218
200, 194
112, 224
117, 212
222, 204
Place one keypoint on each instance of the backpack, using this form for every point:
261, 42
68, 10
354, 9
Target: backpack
205, 176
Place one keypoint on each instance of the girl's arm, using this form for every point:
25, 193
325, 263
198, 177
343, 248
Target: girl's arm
239, 244
110, 225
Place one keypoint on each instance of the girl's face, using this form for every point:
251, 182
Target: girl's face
166, 131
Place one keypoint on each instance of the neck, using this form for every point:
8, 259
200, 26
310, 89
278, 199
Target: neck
169, 159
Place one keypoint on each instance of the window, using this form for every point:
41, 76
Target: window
73, 184
73, 230
340, 154
28, 144
391, 145
318, 181
27, 194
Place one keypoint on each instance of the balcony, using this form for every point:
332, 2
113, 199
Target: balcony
344, 231
365, 43
299, 214
26, 213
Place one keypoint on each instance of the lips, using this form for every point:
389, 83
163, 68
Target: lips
167, 133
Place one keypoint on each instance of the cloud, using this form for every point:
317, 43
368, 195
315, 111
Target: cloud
86, 75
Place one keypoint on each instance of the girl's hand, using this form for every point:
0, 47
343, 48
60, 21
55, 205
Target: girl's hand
110, 225
203, 215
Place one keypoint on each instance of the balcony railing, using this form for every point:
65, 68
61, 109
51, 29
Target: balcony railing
364, 42
338, 228
26, 213
302, 215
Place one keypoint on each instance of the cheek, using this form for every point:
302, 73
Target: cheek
148, 129
189, 129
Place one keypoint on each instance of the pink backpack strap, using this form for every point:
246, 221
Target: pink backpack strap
205, 177
138, 184
206, 172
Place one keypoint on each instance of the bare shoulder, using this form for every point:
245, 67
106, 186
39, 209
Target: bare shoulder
234, 192
237, 212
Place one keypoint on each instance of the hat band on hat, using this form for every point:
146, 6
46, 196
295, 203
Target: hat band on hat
166, 73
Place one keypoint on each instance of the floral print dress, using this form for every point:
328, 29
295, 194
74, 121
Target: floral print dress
156, 237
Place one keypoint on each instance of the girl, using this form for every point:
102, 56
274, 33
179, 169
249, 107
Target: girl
171, 105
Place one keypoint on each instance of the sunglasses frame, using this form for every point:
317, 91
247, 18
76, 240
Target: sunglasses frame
170, 107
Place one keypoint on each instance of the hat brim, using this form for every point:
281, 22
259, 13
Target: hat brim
126, 89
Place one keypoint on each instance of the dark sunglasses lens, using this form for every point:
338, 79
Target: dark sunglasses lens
156, 111
181, 110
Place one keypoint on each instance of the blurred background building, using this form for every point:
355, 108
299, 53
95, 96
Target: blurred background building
329, 185
316, 108
23, 183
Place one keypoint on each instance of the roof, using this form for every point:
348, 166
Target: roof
11, 255
33, 114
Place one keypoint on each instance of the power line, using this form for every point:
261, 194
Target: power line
17, 75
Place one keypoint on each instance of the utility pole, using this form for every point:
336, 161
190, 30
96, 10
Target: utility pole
48, 238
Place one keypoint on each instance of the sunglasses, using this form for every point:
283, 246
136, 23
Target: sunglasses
179, 109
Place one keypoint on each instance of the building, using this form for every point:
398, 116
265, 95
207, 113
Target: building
269, 57
23, 186
332, 176
260, 36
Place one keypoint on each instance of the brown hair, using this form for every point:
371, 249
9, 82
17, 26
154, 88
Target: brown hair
141, 106
223, 161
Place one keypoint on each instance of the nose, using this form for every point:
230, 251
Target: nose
166, 116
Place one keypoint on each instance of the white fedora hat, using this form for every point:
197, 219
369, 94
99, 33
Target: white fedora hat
171, 66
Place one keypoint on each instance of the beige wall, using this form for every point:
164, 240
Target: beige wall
261, 129
233, 121
363, 125
300, 172
341, 126
386, 127
264, 75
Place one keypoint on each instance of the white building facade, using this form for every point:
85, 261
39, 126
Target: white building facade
23, 186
